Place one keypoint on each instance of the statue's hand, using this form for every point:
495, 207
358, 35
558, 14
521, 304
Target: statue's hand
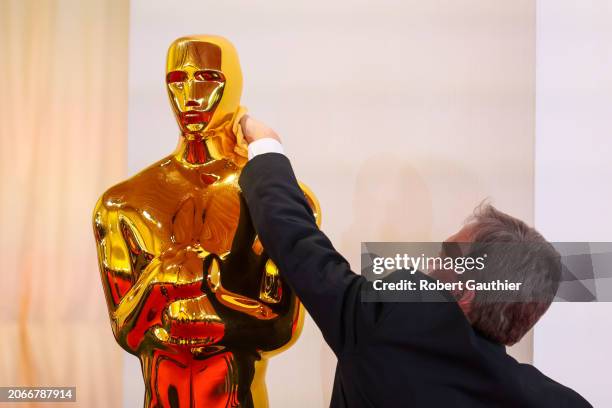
180, 265
245, 301
176, 274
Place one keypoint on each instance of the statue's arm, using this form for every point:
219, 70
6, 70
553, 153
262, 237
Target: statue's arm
113, 259
126, 291
134, 284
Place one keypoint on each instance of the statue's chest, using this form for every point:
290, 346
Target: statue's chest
196, 212
208, 217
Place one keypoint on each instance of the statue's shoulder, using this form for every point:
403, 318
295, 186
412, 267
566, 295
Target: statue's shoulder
312, 201
117, 196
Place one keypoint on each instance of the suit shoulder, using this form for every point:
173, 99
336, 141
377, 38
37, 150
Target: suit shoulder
548, 389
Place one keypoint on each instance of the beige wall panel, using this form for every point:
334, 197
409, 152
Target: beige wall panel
400, 115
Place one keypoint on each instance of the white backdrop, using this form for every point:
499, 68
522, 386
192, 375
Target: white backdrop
573, 342
401, 115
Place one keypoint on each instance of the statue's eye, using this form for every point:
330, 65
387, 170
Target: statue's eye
209, 75
175, 76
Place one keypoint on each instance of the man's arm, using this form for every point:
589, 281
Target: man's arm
307, 260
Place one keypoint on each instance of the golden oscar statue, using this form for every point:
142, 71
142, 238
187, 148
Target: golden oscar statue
188, 286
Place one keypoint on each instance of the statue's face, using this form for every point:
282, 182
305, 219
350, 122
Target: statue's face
195, 83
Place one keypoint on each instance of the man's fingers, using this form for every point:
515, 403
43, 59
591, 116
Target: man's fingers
243, 125
253, 130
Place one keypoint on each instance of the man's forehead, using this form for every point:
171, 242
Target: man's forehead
199, 54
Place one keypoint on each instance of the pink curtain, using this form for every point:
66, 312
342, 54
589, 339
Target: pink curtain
63, 114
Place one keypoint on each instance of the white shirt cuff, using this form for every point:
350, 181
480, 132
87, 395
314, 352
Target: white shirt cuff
265, 145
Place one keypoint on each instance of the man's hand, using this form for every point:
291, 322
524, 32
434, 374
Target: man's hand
253, 130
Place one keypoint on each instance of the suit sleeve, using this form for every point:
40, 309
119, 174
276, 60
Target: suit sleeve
306, 258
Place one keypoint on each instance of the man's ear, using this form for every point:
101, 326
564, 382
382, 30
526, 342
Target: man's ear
464, 297
466, 300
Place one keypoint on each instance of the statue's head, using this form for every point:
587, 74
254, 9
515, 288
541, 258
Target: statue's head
204, 82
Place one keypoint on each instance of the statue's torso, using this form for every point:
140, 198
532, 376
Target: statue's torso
173, 205
172, 219
188, 282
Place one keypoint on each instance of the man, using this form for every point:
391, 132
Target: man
405, 354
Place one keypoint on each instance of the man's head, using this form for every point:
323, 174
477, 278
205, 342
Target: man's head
514, 252
204, 82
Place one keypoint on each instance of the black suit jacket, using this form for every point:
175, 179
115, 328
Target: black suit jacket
389, 354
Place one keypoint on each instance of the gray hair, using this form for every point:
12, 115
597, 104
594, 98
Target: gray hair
518, 253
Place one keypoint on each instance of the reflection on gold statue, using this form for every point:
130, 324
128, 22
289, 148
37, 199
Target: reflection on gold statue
189, 288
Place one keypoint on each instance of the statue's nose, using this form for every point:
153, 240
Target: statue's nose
192, 103
188, 91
